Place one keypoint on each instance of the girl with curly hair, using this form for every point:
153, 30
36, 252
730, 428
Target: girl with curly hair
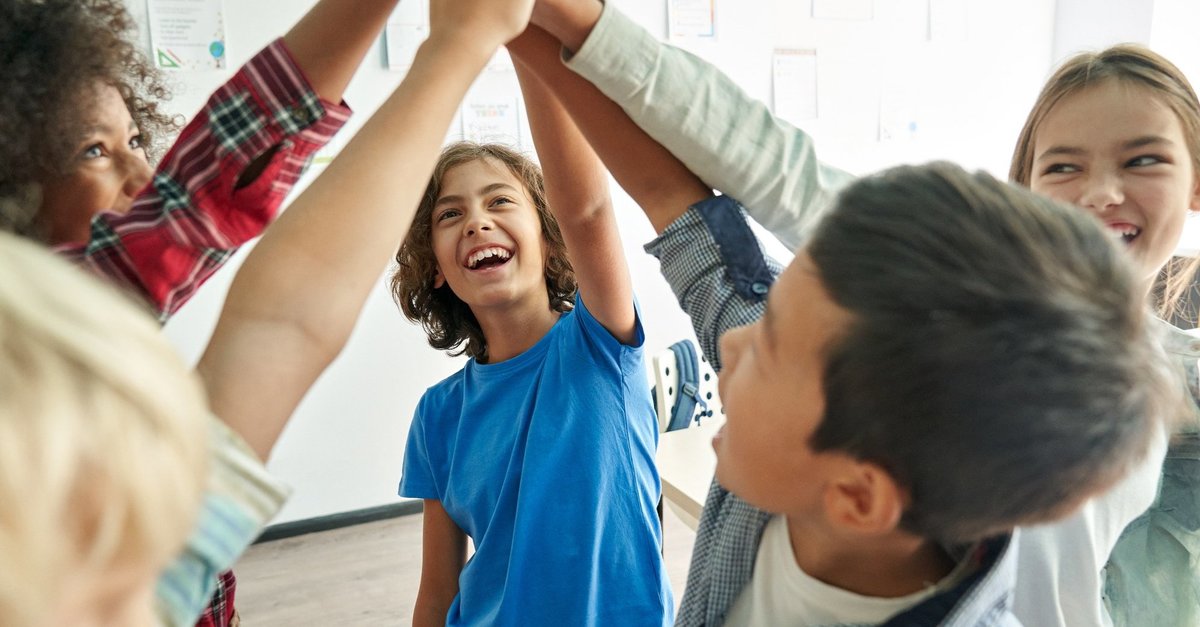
79, 111
548, 431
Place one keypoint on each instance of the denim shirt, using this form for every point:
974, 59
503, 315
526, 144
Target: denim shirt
717, 269
1152, 576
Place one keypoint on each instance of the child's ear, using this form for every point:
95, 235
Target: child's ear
864, 498
439, 279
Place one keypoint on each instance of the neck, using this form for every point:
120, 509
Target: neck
513, 328
890, 565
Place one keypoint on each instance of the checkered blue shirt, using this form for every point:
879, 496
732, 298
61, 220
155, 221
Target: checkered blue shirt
718, 270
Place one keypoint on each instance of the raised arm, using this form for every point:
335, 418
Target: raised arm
730, 140
296, 299
655, 179
577, 192
330, 41
708, 254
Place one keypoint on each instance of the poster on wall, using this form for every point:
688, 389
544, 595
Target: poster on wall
843, 9
794, 83
489, 117
407, 27
187, 35
691, 20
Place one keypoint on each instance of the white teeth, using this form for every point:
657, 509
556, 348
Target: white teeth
480, 255
1125, 232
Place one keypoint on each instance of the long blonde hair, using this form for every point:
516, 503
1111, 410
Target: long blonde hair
103, 434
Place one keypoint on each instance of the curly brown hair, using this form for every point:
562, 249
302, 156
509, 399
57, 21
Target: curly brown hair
447, 320
53, 53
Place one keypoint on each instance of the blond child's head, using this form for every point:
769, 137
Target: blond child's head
103, 444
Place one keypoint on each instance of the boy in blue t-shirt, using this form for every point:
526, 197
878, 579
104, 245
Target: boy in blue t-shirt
541, 449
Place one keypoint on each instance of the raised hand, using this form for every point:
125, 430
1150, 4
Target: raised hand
485, 23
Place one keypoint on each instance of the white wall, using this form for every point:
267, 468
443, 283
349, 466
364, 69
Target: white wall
970, 91
1093, 24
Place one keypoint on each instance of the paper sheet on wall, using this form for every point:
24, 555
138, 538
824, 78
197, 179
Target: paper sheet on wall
794, 82
843, 9
187, 34
691, 20
501, 62
526, 135
407, 27
899, 117
947, 21
455, 132
491, 117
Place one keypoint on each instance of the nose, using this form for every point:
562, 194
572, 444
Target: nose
1102, 192
135, 172
476, 222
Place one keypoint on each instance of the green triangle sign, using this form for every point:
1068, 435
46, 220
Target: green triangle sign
165, 60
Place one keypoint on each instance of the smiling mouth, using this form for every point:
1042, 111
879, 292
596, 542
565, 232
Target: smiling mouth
488, 258
1125, 233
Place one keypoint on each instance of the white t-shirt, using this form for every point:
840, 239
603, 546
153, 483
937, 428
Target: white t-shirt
780, 594
1058, 565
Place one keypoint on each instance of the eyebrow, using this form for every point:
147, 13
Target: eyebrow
1137, 142
104, 128
446, 200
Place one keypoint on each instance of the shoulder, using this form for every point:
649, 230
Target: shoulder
441, 392
582, 319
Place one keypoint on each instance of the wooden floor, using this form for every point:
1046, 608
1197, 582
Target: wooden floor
366, 575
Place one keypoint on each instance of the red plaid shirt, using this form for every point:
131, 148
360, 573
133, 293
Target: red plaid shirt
190, 219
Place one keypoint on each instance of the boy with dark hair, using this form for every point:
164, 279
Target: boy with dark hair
947, 358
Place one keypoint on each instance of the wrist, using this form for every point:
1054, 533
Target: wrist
479, 44
570, 22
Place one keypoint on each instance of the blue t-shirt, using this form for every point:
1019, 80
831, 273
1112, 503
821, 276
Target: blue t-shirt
546, 461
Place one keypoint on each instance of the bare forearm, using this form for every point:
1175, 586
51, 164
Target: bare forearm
656, 180
443, 554
577, 192
297, 297
576, 183
569, 21
330, 41
428, 612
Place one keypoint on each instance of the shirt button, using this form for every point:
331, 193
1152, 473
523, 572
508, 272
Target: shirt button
760, 288
301, 115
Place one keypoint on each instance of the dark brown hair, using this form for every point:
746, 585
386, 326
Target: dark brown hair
1000, 363
447, 320
53, 54
1134, 65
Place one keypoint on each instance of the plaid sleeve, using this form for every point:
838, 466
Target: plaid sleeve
190, 218
717, 269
